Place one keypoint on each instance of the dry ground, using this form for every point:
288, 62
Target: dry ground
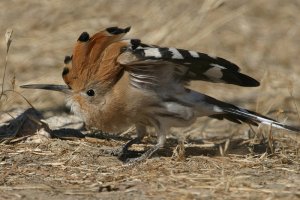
221, 160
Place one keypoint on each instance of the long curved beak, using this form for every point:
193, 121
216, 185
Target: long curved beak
60, 88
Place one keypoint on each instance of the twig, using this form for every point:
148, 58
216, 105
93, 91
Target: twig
8, 41
293, 99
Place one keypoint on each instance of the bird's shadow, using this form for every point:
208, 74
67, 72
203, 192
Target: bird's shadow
195, 147
30, 121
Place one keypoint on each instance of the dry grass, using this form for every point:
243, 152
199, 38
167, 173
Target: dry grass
219, 160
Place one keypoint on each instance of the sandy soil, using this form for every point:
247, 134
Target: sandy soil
218, 159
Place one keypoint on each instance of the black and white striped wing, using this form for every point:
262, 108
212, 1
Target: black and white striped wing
187, 65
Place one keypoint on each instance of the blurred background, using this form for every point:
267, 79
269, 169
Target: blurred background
262, 37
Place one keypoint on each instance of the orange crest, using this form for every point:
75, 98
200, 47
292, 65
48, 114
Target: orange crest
94, 58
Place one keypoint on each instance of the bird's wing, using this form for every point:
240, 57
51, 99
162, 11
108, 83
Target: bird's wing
142, 60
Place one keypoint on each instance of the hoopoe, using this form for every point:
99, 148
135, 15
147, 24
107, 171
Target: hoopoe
114, 83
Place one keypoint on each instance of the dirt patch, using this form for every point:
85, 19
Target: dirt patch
82, 167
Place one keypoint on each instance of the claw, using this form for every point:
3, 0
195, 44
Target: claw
144, 156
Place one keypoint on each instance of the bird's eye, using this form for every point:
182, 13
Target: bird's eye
90, 93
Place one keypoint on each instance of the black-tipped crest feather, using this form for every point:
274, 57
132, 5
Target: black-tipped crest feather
116, 30
67, 59
84, 37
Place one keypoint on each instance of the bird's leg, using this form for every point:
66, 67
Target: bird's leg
123, 151
160, 143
